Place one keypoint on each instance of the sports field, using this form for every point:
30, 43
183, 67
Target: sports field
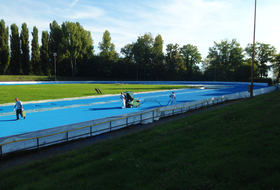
54, 113
232, 147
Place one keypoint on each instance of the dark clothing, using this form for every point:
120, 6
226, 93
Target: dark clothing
19, 111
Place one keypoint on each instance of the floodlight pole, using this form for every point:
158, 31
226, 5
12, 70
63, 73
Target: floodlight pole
217, 56
136, 58
54, 56
253, 57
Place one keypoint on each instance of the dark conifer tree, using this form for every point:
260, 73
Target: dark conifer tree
4, 47
44, 54
15, 65
35, 55
24, 44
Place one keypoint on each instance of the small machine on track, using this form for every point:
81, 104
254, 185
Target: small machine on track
129, 99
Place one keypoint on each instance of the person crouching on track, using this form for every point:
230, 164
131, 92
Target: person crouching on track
122, 97
172, 98
19, 108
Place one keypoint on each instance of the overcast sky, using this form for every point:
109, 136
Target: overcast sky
196, 22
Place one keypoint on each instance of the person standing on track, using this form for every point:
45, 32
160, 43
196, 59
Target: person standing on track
122, 97
172, 98
18, 108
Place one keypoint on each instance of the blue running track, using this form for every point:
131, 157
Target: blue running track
44, 115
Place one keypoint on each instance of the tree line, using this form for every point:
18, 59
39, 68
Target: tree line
70, 46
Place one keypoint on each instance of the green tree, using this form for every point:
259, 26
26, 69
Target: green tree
146, 57
71, 42
225, 57
127, 51
142, 54
87, 66
55, 37
87, 50
85, 46
276, 67
244, 71
264, 54
108, 55
238, 69
15, 65
44, 54
157, 67
191, 57
55, 46
107, 48
24, 37
126, 65
76, 42
35, 55
4, 47
174, 64
207, 69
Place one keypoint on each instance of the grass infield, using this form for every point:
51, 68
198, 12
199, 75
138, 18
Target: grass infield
39, 78
8, 93
232, 147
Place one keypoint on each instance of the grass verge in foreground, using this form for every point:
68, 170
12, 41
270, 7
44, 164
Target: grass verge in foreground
233, 147
56, 91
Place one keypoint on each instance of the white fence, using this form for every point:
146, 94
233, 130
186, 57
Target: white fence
46, 137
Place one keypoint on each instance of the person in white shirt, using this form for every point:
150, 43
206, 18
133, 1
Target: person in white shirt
18, 108
122, 97
172, 98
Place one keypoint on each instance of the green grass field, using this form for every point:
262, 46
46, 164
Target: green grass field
38, 78
228, 148
56, 91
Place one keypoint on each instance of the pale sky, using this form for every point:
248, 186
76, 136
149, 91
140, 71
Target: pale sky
195, 22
